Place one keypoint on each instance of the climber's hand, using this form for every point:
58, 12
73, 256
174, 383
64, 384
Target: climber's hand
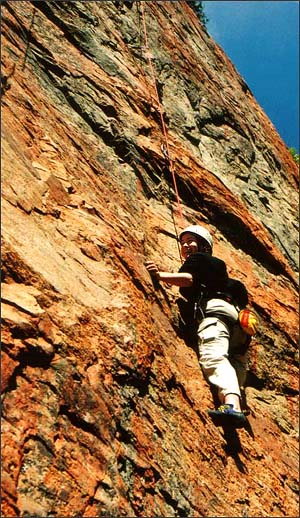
152, 269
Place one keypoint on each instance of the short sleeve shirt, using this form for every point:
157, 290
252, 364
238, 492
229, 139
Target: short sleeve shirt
207, 271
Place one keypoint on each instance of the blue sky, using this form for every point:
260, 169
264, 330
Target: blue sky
262, 40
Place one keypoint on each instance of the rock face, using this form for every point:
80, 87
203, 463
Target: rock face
104, 405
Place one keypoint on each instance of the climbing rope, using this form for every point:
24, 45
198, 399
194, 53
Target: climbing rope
5, 79
165, 146
28, 37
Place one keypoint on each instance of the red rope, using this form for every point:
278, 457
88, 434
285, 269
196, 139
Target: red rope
160, 108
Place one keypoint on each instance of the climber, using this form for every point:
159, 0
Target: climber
203, 280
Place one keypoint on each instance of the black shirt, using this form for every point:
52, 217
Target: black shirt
209, 274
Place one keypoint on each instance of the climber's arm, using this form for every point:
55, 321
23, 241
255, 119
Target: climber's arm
183, 280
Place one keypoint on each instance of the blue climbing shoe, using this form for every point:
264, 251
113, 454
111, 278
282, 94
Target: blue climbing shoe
226, 415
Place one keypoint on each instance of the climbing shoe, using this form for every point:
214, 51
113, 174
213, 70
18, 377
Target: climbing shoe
225, 415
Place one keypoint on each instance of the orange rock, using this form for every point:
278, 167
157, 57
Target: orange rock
104, 405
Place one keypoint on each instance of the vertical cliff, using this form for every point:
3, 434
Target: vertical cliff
104, 405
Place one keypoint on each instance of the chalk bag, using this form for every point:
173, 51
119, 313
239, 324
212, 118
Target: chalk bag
249, 321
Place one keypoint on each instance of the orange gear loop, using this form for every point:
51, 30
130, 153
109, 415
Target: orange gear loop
166, 148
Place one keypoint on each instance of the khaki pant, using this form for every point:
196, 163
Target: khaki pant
213, 341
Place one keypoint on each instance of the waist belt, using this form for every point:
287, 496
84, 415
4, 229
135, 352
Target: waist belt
200, 306
221, 295
229, 322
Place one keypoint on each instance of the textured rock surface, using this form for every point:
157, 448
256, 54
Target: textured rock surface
104, 405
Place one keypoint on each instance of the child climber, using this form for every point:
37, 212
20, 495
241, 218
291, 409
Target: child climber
204, 278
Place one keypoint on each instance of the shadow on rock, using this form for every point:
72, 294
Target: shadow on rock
233, 447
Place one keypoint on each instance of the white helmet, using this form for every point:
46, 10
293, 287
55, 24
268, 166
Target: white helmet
198, 231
